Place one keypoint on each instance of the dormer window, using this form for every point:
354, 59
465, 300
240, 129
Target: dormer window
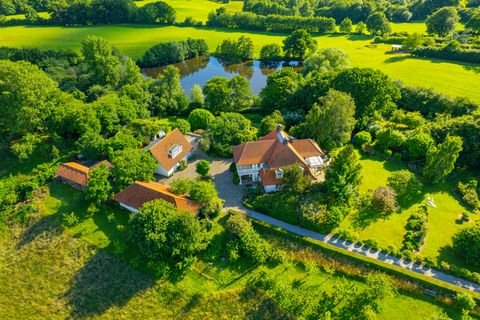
279, 173
174, 150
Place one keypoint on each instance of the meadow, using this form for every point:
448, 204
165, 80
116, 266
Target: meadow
389, 230
455, 79
53, 270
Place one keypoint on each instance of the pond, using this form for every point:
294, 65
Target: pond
200, 70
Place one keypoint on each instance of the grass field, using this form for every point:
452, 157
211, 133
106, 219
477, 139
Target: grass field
51, 270
389, 231
451, 78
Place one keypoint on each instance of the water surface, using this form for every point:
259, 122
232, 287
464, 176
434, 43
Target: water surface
200, 70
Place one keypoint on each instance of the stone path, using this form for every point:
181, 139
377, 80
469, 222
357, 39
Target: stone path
345, 245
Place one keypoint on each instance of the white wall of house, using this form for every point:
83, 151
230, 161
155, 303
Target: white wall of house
131, 209
271, 188
163, 172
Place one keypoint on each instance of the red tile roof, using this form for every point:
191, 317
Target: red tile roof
137, 194
269, 177
76, 172
275, 153
160, 149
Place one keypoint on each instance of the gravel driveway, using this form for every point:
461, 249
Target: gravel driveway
219, 169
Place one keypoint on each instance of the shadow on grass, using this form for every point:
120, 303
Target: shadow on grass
397, 59
448, 255
367, 216
46, 226
260, 306
103, 282
474, 68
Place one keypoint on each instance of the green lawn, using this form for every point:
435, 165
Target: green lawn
455, 79
51, 270
389, 231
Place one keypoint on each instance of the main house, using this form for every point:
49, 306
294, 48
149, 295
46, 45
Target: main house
139, 193
170, 150
76, 174
264, 160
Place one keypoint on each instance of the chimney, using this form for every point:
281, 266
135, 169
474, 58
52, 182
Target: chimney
279, 127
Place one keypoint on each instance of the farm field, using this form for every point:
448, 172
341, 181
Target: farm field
455, 79
389, 230
49, 270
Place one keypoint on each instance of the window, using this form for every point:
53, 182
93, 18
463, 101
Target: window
175, 150
279, 173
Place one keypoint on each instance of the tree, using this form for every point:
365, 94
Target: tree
372, 90
389, 139
196, 95
200, 119
295, 179
223, 95
474, 23
413, 41
232, 51
384, 199
362, 305
163, 233
361, 28
168, 97
182, 125
443, 21
343, 176
271, 52
203, 192
103, 66
280, 90
326, 60
405, 184
112, 11
270, 122
98, 185
156, 12
441, 160
299, 45
465, 302
378, 24
130, 165
362, 138
466, 244
322, 120
417, 145
346, 25
203, 168
230, 129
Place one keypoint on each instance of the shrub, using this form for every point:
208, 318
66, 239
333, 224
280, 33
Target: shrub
389, 139
466, 244
173, 52
182, 125
417, 145
281, 205
405, 184
182, 165
271, 52
465, 302
362, 137
203, 168
200, 119
416, 230
469, 194
315, 216
384, 199
70, 219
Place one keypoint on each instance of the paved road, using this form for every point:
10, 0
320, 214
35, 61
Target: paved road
378, 255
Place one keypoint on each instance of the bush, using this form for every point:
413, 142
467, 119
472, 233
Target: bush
416, 230
200, 119
281, 205
417, 145
405, 184
233, 51
362, 137
384, 199
468, 192
466, 244
182, 125
182, 165
465, 302
173, 52
446, 53
389, 139
203, 168
247, 241
315, 216
271, 52
70, 219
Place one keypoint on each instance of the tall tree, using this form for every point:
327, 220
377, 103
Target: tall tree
343, 176
441, 159
443, 21
230, 129
270, 122
223, 95
103, 66
168, 97
299, 44
326, 60
474, 23
372, 90
323, 123
130, 165
295, 179
377, 24
280, 90
98, 186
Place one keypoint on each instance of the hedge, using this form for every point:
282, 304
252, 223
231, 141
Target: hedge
464, 55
